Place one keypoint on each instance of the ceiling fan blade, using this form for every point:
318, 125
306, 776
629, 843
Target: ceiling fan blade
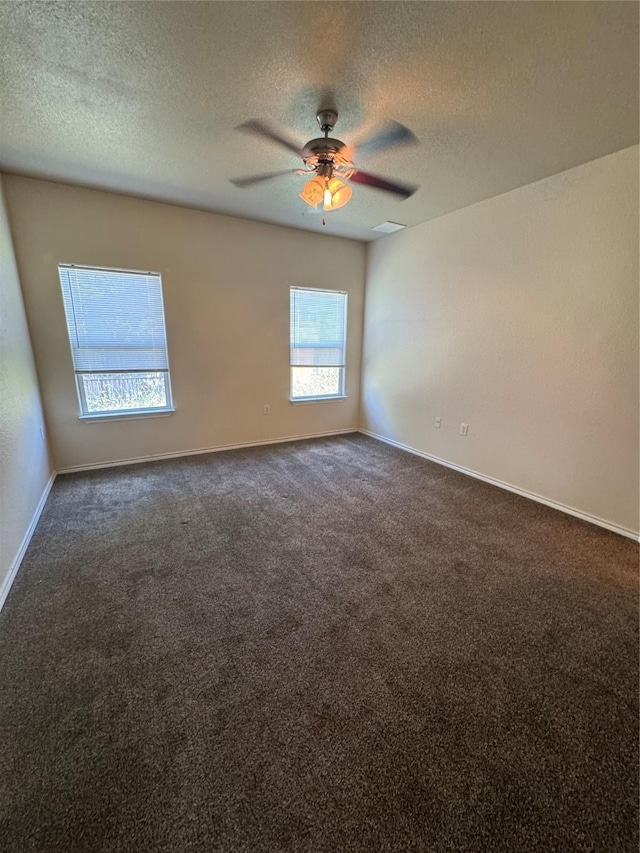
378, 183
256, 179
391, 134
261, 128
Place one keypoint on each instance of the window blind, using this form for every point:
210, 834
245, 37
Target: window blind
318, 328
115, 319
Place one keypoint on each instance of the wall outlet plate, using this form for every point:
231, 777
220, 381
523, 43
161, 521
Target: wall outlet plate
438, 422
464, 429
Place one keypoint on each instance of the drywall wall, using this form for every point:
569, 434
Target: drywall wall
25, 470
519, 317
226, 294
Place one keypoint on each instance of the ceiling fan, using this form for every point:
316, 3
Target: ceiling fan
330, 161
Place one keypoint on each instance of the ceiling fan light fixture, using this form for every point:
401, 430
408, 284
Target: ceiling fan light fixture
313, 192
327, 158
336, 194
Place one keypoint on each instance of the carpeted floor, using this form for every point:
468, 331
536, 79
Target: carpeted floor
319, 647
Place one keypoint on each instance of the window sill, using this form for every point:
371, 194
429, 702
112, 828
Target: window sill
126, 416
298, 401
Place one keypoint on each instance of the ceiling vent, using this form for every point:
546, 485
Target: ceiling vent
389, 227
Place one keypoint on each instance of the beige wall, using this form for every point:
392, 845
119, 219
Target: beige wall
518, 316
226, 291
24, 464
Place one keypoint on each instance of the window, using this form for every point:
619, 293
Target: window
115, 320
318, 340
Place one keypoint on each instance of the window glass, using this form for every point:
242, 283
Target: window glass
317, 343
115, 321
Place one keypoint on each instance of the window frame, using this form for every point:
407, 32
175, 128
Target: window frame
111, 414
321, 398
149, 411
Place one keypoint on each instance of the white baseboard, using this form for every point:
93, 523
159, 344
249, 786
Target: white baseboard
154, 457
15, 565
593, 519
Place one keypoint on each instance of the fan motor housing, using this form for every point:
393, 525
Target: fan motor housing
323, 149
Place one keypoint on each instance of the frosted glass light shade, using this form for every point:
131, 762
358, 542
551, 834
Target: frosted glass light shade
330, 192
339, 194
313, 191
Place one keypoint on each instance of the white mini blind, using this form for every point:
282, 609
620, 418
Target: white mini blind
318, 328
115, 319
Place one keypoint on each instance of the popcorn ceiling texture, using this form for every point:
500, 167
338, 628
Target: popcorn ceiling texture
143, 98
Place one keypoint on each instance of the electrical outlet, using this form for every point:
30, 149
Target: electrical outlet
464, 429
438, 422
266, 409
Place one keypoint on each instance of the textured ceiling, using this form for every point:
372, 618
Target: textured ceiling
143, 98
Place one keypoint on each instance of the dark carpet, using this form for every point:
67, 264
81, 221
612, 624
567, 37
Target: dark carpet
324, 646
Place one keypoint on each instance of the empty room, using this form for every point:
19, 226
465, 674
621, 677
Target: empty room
319, 427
